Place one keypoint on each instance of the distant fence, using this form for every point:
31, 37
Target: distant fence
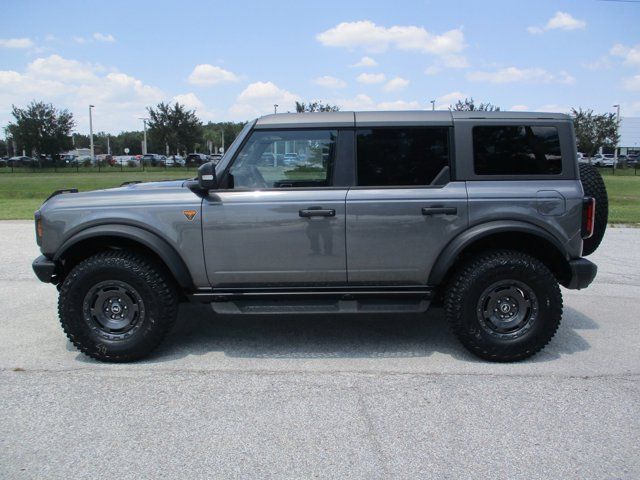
628, 171
96, 168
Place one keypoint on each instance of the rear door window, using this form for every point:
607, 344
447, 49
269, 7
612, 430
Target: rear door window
401, 156
516, 150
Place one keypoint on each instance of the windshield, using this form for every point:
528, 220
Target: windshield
224, 161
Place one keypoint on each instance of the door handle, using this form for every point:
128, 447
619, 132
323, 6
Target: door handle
317, 212
439, 211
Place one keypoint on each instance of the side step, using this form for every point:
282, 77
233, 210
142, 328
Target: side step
317, 300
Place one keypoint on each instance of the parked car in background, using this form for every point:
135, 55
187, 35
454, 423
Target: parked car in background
290, 159
175, 161
196, 159
22, 161
603, 160
3, 162
154, 159
215, 158
126, 161
582, 158
633, 160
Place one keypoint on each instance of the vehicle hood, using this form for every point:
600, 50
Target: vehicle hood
134, 194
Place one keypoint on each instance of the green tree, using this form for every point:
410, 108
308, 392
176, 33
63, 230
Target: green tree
40, 128
213, 132
316, 106
468, 105
595, 131
174, 126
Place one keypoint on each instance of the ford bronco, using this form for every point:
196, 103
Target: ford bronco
484, 213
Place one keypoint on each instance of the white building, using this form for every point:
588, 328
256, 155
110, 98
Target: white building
629, 135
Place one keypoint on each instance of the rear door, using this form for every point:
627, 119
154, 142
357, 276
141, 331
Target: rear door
405, 207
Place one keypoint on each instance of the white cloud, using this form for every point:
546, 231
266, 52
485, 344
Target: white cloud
560, 21
632, 83
205, 74
454, 61
452, 97
258, 99
16, 43
328, 81
515, 74
398, 105
365, 62
189, 100
432, 70
80, 40
519, 108
445, 101
119, 98
370, 37
370, 78
602, 63
104, 37
630, 55
192, 102
553, 108
397, 83
362, 102
359, 102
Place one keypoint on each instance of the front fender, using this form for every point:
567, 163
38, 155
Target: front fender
160, 247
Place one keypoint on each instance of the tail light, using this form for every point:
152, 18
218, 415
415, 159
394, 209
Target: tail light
588, 216
39, 231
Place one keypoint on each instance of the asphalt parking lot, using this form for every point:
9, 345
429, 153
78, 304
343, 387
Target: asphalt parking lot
327, 397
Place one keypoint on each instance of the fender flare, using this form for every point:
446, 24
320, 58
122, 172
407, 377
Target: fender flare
448, 256
153, 242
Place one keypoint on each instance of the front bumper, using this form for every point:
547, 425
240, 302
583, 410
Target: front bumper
582, 273
44, 268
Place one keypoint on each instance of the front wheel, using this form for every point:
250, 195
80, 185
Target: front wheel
117, 306
503, 306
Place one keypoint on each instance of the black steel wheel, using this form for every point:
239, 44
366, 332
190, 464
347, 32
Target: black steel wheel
507, 309
114, 309
117, 306
503, 305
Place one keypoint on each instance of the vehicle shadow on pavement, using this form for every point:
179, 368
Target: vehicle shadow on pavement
199, 332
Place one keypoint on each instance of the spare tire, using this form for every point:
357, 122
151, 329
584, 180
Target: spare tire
593, 186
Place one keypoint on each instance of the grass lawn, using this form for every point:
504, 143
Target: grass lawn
624, 198
22, 193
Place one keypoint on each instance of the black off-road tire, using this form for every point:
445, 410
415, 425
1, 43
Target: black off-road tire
141, 285
465, 305
593, 186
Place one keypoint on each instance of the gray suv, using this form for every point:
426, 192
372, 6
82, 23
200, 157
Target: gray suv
485, 214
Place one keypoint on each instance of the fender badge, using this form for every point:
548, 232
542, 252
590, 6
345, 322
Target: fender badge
190, 214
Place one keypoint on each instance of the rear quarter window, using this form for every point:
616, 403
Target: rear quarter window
516, 150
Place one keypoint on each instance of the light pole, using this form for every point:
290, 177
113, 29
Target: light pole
144, 140
433, 105
91, 133
275, 108
615, 152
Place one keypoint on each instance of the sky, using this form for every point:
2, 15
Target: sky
235, 60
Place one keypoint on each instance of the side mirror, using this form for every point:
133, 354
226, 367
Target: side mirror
207, 177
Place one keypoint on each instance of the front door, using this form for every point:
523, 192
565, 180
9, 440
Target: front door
404, 209
279, 222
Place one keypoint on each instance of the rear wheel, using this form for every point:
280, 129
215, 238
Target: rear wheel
593, 186
117, 306
503, 306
